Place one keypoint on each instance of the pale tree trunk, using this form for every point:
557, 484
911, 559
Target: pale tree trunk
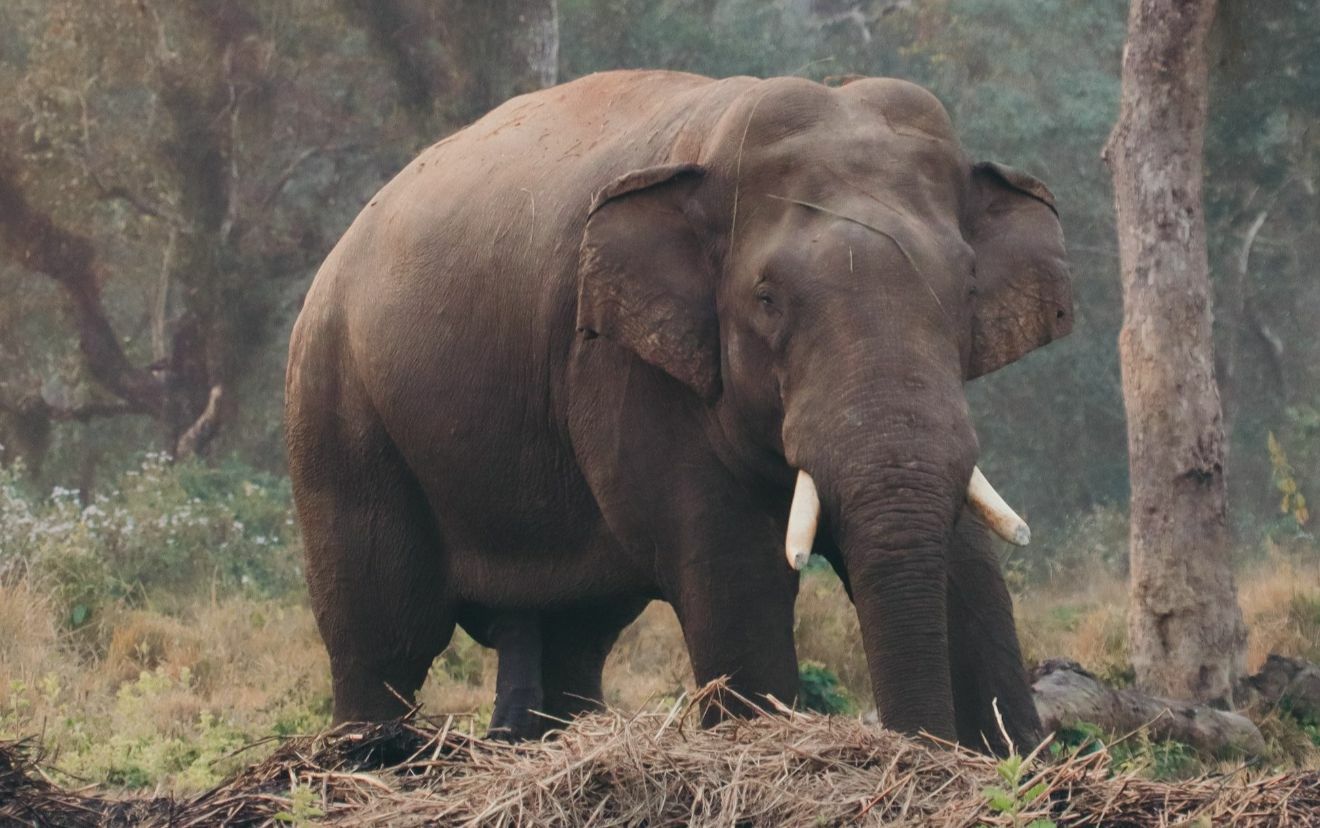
507, 48
537, 41
489, 51
1187, 636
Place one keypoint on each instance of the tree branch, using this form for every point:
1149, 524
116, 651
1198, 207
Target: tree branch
195, 440
400, 41
33, 239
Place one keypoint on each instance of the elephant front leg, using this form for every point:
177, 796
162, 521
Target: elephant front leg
984, 655
736, 611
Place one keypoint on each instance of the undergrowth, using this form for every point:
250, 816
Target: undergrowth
150, 635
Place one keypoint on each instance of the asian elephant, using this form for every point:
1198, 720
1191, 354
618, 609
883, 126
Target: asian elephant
593, 350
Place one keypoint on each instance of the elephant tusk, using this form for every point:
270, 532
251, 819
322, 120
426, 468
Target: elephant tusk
803, 516
998, 515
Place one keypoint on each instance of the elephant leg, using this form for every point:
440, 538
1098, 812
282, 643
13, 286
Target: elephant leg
736, 610
375, 572
576, 645
517, 637
984, 655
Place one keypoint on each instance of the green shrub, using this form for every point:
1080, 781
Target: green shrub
1163, 759
148, 746
819, 690
164, 531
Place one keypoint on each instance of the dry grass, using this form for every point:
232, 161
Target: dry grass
649, 663
145, 698
1083, 613
658, 769
29, 637
1280, 600
1080, 615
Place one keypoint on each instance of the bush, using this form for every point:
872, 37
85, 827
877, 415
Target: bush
159, 733
165, 532
819, 690
1164, 759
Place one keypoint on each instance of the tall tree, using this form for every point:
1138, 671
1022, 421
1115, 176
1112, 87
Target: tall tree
1186, 629
174, 170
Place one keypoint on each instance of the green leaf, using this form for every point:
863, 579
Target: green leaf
79, 615
1010, 769
1000, 799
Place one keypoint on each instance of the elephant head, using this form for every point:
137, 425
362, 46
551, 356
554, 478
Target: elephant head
826, 274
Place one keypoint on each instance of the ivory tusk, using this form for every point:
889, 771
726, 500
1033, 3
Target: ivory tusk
997, 514
803, 516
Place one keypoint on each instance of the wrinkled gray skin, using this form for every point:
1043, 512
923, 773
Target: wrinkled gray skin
571, 358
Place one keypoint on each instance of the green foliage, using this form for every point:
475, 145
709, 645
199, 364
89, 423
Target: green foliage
739, 37
1293, 503
165, 530
820, 691
1082, 738
1163, 759
1011, 798
302, 809
462, 661
1306, 720
143, 748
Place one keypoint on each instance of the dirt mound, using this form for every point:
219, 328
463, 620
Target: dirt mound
659, 769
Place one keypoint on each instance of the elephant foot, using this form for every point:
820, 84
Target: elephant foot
515, 719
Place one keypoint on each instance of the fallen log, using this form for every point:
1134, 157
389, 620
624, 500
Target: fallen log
1068, 696
1292, 684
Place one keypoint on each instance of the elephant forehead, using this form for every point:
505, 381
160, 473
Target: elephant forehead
783, 107
886, 137
853, 243
895, 176
904, 107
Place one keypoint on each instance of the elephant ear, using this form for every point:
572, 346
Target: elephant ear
645, 278
1023, 292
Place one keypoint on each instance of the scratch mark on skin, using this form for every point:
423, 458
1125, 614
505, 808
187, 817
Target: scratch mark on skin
569, 152
737, 175
822, 208
850, 184
850, 260
531, 231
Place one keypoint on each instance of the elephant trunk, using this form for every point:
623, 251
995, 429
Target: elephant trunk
892, 476
893, 537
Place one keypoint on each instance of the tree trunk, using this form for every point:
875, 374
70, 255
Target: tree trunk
507, 48
1186, 630
1068, 696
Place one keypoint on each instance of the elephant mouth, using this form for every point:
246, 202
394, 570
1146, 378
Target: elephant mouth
804, 516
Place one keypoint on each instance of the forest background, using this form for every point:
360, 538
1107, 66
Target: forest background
172, 173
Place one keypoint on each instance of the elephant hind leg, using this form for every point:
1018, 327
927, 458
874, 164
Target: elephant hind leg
550, 662
984, 655
374, 562
516, 635
577, 643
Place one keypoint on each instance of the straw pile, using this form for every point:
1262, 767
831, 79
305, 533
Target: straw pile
658, 769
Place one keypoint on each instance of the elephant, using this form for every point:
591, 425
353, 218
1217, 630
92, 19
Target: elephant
648, 335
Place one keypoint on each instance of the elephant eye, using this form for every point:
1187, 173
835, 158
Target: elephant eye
763, 295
